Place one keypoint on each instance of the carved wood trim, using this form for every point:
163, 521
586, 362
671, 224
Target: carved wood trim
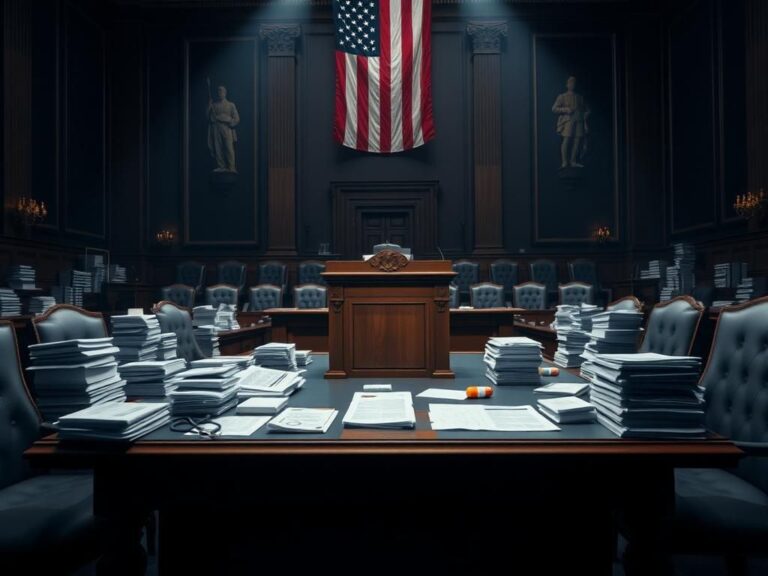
388, 261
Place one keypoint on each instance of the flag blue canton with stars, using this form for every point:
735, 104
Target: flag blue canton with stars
357, 26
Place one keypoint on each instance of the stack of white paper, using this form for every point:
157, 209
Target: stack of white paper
21, 277
567, 410
73, 374
10, 305
239, 361
303, 357
138, 337
260, 381
276, 355
114, 421
648, 395
39, 304
262, 405
151, 379
303, 420
68, 295
207, 390
572, 324
613, 332
380, 410
488, 418
207, 340
77, 279
167, 347
512, 360
117, 274
563, 389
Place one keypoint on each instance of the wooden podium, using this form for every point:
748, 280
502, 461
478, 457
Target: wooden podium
388, 317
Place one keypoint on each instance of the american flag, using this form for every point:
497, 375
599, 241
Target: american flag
383, 74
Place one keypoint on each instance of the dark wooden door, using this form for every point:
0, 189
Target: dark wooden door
381, 227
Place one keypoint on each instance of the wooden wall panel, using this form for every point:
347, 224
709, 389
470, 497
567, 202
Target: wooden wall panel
756, 40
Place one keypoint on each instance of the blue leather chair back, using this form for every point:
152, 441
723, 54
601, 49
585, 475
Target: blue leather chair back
672, 327
486, 295
585, 271
19, 420
310, 272
66, 322
504, 273
172, 318
191, 274
272, 273
310, 296
545, 272
467, 273
735, 382
181, 294
387, 246
265, 296
530, 296
233, 273
576, 293
626, 303
221, 294
453, 296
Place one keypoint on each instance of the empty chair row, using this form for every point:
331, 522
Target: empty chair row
528, 295
506, 273
233, 273
260, 297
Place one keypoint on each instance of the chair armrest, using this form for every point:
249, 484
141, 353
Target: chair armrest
46, 429
753, 448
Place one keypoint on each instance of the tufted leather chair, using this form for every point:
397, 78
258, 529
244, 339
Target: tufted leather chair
453, 296
274, 273
232, 272
310, 272
576, 293
310, 296
191, 274
626, 303
530, 296
467, 273
583, 270
726, 511
221, 294
504, 273
672, 327
545, 272
67, 322
387, 246
181, 294
265, 296
173, 318
44, 519
486, 295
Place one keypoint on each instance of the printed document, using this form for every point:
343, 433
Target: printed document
488, 418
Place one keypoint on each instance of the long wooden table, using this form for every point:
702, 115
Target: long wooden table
424, 496
470, 328
244, 339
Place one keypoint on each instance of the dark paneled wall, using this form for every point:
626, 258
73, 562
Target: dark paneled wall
482, 156
55, 139
96, 98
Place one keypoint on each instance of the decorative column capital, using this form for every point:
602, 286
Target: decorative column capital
281, 38
486, 36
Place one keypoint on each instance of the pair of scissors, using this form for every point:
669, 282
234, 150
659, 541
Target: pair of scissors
205, 426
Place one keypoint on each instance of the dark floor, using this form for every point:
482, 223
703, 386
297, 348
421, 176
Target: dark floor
684, 566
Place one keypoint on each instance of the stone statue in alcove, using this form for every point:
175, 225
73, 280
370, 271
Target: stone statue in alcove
572, 124
222, 119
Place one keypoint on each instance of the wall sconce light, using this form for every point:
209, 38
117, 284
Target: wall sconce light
750, 204
165, 237
601, 234
31, 211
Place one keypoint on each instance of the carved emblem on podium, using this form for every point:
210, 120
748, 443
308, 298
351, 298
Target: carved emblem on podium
388, 261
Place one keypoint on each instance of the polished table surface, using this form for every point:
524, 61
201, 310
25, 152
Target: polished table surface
584, 439
373, 488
